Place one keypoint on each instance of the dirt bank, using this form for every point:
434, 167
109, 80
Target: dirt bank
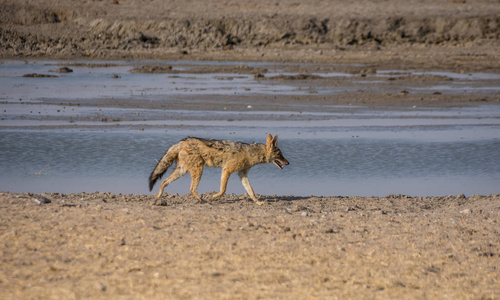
102, 245
429, 34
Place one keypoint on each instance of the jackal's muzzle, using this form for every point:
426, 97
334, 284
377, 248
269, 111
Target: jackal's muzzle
279, 163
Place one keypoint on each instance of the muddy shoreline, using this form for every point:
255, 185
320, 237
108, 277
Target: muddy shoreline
103, 245
455, 35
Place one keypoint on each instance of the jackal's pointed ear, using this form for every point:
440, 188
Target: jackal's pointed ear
275, 141
269, 140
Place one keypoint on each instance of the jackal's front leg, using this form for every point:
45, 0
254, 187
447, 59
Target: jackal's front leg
195, 180
223, 183
246, 184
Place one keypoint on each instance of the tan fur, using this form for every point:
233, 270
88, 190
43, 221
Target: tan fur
192, 154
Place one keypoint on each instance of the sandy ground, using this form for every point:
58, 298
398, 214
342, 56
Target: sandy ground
100, 245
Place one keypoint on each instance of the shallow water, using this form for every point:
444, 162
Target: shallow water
334, 150
120, 161
90, 82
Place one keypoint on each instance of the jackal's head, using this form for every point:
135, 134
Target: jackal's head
273, 153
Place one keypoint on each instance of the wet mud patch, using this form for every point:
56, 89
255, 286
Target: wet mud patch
213, 69
36, 75
291, 77
421, 78
87, 64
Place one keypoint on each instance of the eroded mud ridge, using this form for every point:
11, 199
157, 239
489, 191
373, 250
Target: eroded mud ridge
311, 30
103, 245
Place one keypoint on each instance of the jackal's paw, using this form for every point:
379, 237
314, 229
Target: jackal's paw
260, 202
215, 197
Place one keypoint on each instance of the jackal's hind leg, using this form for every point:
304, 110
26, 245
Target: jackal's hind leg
223, 183
195, 180
178, 172
246, 184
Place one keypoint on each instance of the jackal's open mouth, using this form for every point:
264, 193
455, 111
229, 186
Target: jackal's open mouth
278, 164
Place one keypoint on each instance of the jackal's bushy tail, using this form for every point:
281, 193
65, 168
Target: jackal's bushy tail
162, 166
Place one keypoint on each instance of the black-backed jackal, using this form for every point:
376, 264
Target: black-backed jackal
192, 154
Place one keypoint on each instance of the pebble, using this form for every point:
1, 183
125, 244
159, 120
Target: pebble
41, 200
466, 211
